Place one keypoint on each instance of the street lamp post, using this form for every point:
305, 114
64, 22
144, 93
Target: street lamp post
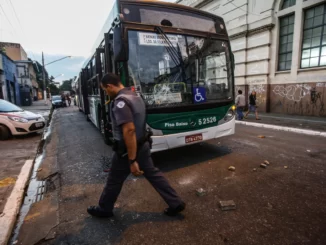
43, 71
58, 76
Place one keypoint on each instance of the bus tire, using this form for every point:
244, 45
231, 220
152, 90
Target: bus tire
5, 133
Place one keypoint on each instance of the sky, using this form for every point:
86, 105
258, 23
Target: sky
58, 28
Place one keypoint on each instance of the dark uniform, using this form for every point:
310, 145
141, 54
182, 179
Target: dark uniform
128, 107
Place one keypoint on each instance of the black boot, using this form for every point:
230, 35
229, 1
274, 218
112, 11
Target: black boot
174, 211
98, 212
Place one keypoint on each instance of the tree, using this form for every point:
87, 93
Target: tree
54, 90
66, 85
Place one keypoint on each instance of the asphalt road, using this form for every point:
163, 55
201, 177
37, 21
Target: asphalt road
275, 205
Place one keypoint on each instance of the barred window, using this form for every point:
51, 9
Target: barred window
286, 43
314, 37
287, 3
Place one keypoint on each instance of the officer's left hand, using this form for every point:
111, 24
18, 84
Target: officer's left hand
134, 169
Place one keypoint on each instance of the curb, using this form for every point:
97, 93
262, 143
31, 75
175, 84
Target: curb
13, 204
282, 128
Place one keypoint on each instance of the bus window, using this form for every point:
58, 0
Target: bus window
176, 72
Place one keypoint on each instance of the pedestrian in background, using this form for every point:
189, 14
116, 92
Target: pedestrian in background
240, 102
252, 105
132, 152
68, 99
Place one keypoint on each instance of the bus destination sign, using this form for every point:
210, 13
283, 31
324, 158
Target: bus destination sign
153, 39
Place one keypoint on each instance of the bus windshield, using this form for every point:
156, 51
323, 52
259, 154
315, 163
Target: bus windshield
175, 70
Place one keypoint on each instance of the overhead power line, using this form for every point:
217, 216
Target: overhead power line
4, 13
13, 8
20, 25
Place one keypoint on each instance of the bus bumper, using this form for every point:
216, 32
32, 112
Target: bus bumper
161, 143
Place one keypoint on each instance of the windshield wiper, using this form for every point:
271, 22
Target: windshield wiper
171, 49
173, 52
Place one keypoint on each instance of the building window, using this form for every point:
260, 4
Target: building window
314, 37
286, 43
287, 3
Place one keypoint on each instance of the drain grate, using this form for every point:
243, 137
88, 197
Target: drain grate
40, 191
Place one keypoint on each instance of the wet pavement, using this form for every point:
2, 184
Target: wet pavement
13, 154
281, 204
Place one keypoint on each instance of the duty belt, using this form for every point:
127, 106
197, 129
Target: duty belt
120, 148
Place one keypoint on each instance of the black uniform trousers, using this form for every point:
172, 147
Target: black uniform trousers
121, 169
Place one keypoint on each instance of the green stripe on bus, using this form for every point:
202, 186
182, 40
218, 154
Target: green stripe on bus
172, 123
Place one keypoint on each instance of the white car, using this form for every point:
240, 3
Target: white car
16, 121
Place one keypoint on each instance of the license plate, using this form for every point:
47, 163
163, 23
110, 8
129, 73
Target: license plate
193, 138
39, 125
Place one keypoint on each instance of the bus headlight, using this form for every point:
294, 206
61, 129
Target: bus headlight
228, 116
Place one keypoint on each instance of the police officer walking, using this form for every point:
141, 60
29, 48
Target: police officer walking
131, 150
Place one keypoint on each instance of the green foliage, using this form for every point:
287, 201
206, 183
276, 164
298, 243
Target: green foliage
66, 85
54, 90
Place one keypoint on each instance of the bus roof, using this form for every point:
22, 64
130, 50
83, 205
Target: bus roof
116, 10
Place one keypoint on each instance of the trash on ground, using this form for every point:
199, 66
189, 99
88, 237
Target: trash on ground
263, 165
39, 169
231, 168
266, 162
255, 169
308, 150
261, 136
227, 205
285, 167
200, 192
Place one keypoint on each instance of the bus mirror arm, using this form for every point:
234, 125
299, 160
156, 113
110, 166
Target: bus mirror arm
120, 45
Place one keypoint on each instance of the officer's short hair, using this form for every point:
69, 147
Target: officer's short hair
240, 91
110, 78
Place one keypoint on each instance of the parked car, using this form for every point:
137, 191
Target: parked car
16, 121
57, 101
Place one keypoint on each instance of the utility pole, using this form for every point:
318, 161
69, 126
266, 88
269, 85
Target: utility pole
44, 84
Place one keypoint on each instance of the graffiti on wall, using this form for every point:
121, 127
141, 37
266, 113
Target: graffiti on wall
292, 92
258, 88
299, 99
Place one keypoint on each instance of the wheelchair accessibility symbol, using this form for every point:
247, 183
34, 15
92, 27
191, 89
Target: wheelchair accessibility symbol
199, 94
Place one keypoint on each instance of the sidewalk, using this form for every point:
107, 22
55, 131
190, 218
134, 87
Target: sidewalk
39, 107
293, 121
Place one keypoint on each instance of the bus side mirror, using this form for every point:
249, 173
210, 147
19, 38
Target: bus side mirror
120, 49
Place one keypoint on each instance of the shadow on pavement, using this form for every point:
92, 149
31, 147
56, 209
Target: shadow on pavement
188, 155
112, 231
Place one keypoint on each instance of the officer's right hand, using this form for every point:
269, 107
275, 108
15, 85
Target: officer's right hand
134, 169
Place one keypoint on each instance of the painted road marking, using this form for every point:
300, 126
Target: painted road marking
12, 207
282, 128
295, 119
